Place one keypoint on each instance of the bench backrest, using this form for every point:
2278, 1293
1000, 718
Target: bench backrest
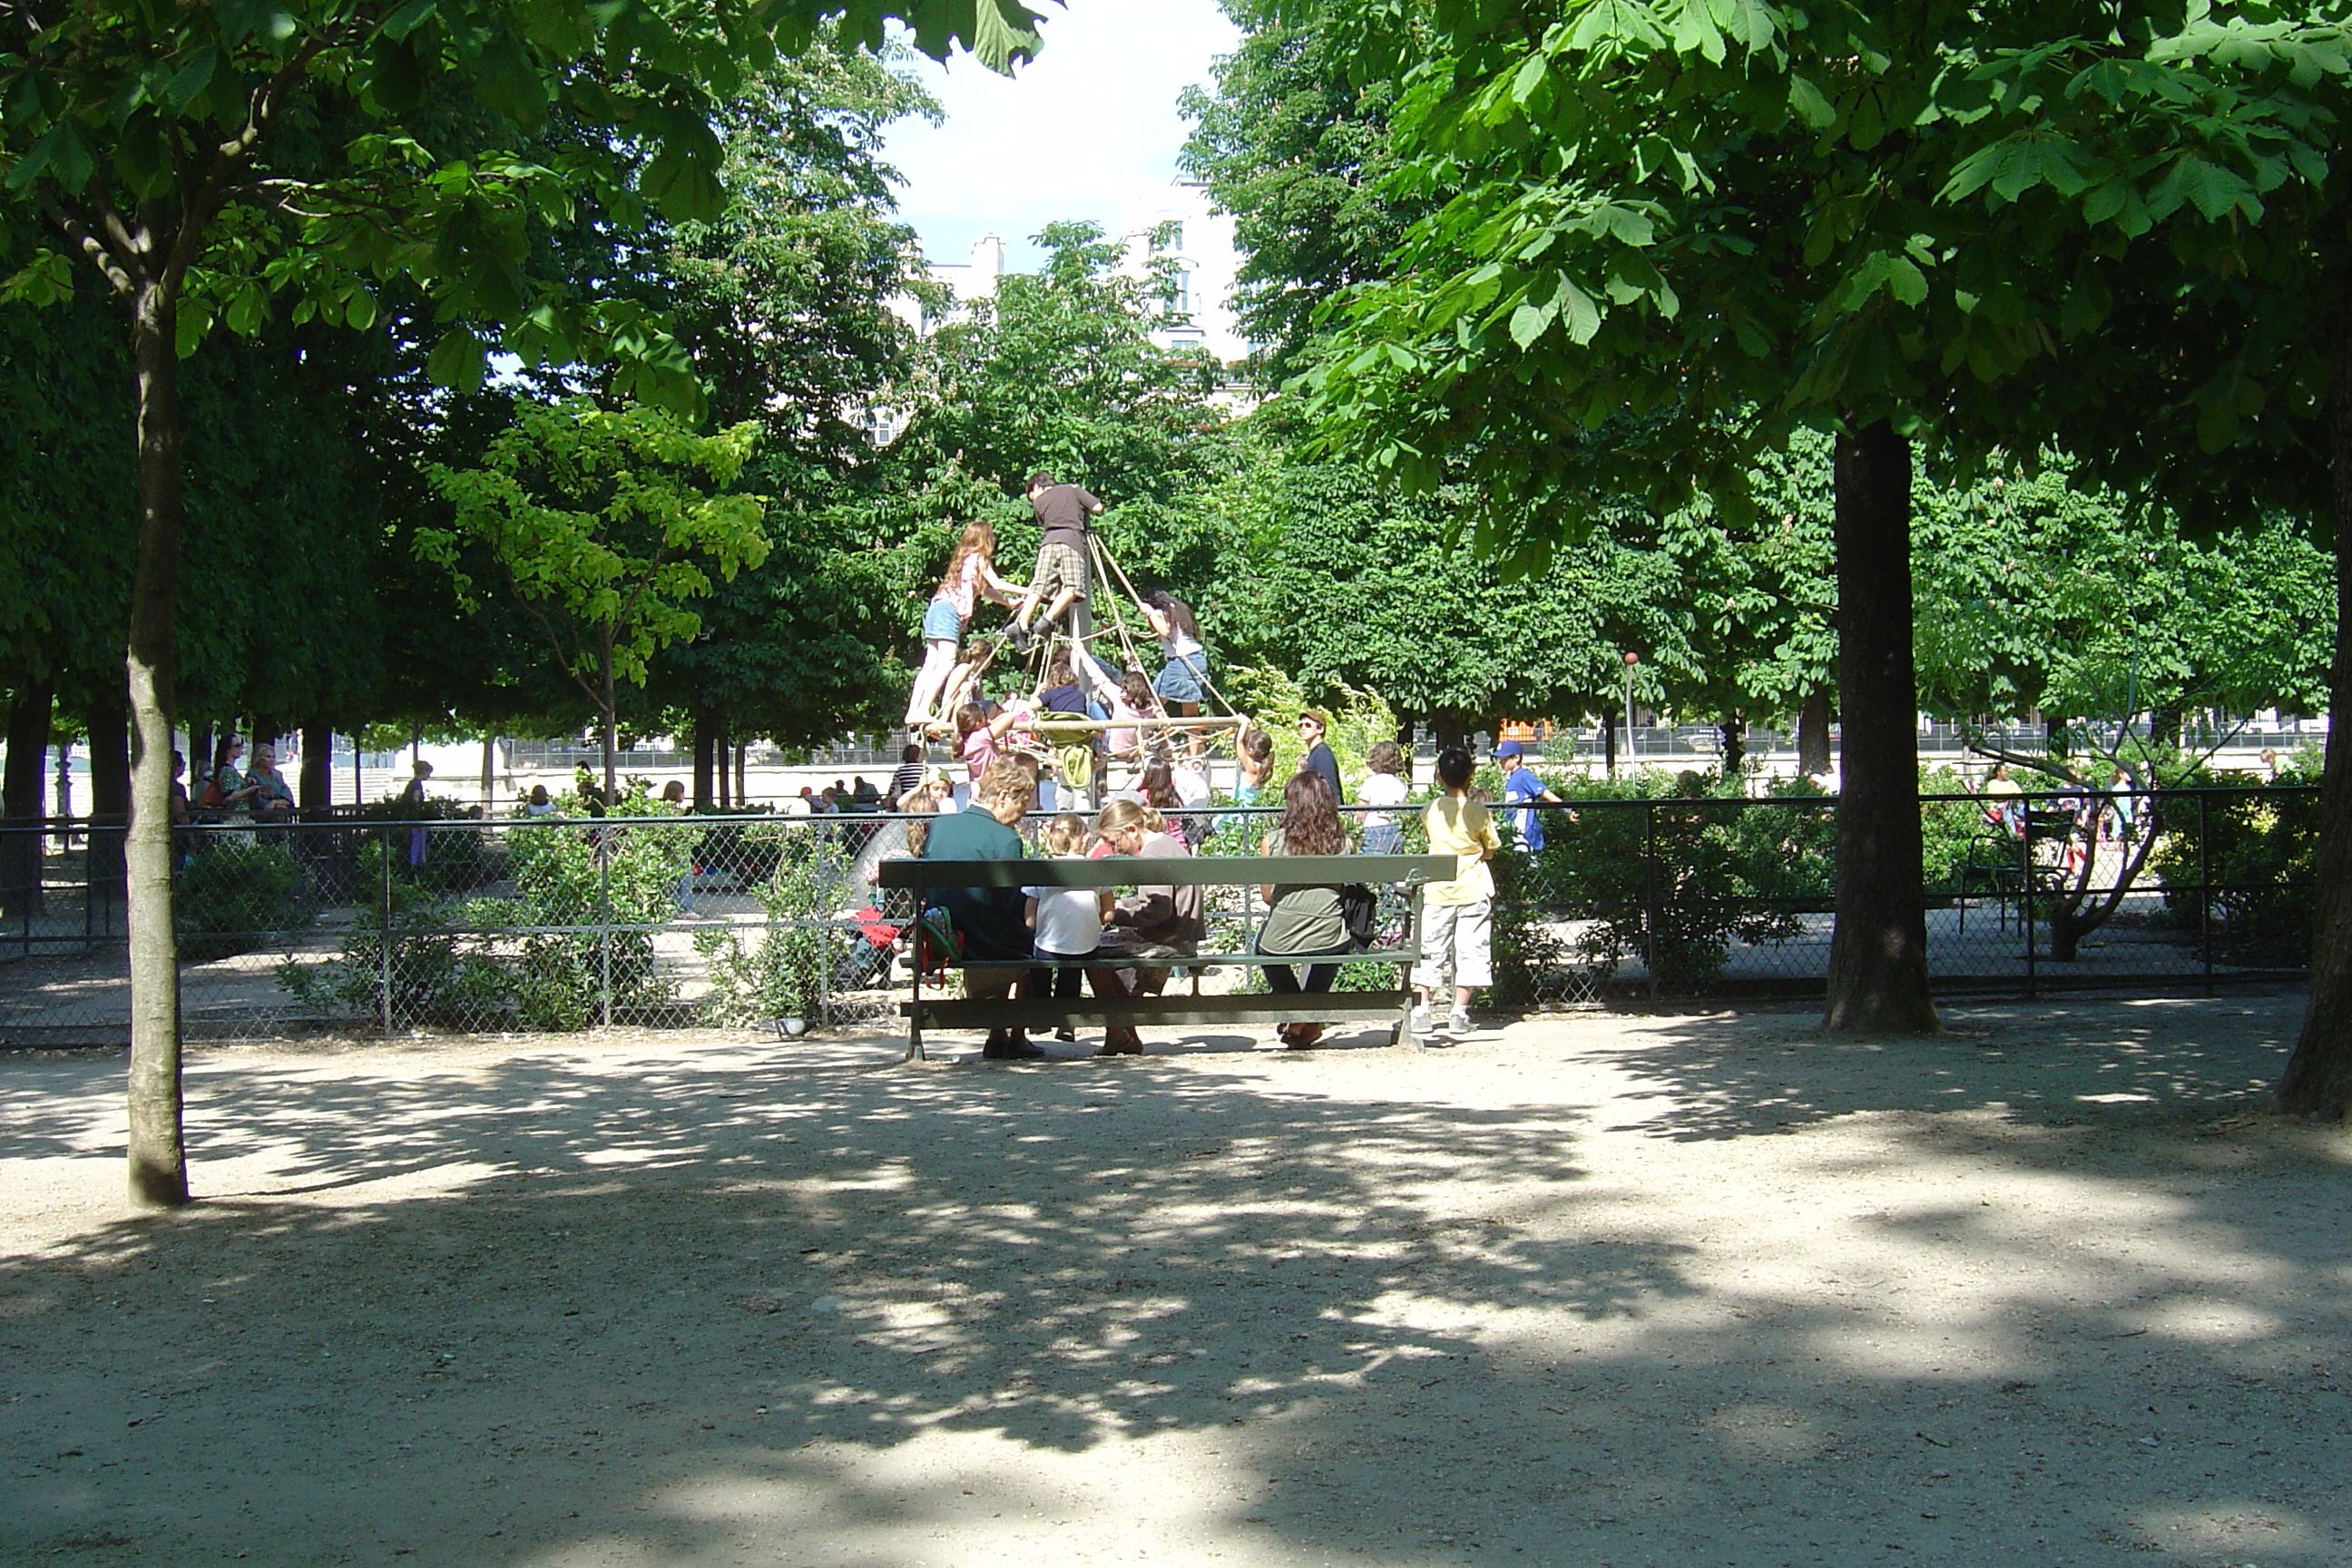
1167, 871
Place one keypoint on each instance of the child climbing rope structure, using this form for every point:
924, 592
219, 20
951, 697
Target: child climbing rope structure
1065, 512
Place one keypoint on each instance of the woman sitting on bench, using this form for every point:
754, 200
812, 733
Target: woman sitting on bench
1304, 920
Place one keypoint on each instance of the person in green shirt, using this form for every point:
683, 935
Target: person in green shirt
990, 923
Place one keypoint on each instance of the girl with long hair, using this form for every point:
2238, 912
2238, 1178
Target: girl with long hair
1183, 678
1303, 919
970, 574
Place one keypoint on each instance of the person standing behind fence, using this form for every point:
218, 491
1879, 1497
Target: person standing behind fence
1304, 920
1383, 788
908, 779
1312, 728
1522, 788
1457, 916
412, 799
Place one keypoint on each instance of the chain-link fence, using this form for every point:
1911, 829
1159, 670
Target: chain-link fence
538, 924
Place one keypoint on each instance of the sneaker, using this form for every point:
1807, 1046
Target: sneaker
1066, 1033
1422, 1022
1458, 1022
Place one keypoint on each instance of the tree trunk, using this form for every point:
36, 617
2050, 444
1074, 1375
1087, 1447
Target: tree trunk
489, 772
158, 1153
2318, 1078
1735, 747
20, 802
743, 772
706, 752
317, 786
1608, 742
109, 791
608, 722
1813, 733
1878, 949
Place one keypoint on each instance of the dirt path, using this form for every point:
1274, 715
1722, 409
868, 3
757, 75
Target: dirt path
1586, 1291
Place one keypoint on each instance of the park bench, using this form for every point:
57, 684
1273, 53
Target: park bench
1412, 871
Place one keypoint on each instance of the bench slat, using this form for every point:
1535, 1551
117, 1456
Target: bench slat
1167, 871
1273, 1007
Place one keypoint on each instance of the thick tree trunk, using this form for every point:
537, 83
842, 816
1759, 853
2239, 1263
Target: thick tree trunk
109, 791
1608, 742
1813, 733
20, 802
743, 772
489, 774
2318, 1078
1878, 949
1735, 746
317, 785
158, 1155
706, 753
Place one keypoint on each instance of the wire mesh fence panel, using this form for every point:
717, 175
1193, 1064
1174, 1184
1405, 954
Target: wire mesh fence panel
651, 919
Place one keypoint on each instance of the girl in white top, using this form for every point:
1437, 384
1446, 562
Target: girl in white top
971, 571
1067, 923
1384, 788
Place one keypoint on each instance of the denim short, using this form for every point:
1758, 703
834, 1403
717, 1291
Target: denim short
940, 622
1179, 680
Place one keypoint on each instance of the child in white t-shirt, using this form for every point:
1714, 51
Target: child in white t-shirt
1385, 787
1067, 923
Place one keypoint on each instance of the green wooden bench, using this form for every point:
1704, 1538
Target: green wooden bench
1203, 871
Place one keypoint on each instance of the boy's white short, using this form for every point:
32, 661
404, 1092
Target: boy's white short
1462, 933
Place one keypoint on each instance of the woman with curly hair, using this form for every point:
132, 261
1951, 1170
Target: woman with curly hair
1304, 920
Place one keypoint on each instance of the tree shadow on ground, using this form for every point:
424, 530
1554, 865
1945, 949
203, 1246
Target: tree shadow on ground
572, 1307
2057, 1063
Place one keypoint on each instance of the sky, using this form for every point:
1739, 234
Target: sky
1092, 120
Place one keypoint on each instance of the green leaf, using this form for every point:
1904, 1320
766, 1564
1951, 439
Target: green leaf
1529, 321
1811, 106
1583, 316
457, 361
62, 153
409, 17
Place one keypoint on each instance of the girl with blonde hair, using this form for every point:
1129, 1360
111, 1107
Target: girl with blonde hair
970, 574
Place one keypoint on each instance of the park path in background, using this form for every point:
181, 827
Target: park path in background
1630, 1291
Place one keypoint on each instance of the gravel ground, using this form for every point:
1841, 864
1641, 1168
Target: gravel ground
1586, 1290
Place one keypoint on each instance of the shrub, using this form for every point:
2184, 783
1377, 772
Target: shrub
239, 887
2260, 852
793, 969
542, 959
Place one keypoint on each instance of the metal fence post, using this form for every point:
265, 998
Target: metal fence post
1648, 889
604, 918
386, 944
2025, 892
2205, 889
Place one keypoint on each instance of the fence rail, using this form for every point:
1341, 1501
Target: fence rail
531, 924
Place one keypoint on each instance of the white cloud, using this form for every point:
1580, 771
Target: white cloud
1076, 135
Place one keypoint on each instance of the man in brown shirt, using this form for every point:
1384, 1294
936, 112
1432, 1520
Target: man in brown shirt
1064, 511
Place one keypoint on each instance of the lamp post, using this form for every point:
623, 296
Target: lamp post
1631, 658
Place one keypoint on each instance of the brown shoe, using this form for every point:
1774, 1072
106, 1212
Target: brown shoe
1302, 1036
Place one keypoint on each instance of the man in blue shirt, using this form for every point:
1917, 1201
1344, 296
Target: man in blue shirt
1522, 788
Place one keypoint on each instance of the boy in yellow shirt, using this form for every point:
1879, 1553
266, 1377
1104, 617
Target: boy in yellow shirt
1457, 917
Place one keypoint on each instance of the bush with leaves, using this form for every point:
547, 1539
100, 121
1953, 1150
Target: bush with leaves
1667, 868
237, 891
542, 959
2260, 848
802, 956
